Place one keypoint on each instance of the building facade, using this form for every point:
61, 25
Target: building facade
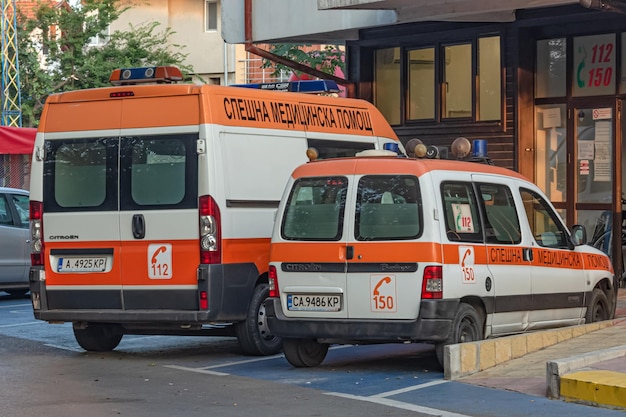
544, 86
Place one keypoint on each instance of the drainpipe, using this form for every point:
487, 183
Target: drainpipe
350, 88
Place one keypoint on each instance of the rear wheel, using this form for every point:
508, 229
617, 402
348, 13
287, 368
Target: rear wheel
253, 334
598, 308
303, 353
98, 337
467, 326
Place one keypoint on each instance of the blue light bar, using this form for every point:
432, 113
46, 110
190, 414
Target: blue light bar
303, 86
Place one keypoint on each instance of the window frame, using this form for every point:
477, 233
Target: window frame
439, 47
207, 20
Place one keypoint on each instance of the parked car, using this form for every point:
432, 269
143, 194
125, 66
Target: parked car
14, 241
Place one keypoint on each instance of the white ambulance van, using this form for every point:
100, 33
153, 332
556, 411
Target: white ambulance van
382, 249
152, 203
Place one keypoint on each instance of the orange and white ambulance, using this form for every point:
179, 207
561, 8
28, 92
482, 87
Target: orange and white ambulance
152, 203
382, 249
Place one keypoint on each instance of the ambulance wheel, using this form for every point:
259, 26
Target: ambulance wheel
99, 337
598, 308
253, 334
303, 353
467, 326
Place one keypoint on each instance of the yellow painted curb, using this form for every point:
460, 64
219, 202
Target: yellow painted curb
597, 387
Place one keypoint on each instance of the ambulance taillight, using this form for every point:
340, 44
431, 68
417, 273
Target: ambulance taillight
36, 233
432, 283
273, 282
210, 231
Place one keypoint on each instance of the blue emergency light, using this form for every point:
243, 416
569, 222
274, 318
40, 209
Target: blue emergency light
162, 74
302, 86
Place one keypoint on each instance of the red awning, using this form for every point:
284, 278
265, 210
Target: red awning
17, 140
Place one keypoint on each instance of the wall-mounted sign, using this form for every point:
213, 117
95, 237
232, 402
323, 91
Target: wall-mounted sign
594, 65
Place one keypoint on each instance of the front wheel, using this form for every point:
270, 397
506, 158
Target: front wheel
598, 308
98, 337
253, 334
467, 326
303, 353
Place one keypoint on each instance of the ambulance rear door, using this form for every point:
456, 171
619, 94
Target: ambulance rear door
311, 251
159, 222
383, 272
80, 216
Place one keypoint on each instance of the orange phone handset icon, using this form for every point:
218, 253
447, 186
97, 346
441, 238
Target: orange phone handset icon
467, 253
156, 253
386, 280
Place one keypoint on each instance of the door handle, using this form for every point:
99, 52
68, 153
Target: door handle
349, 252
139, 226
527, 254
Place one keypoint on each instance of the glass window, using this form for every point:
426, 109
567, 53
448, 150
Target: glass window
158, 172
388, 208
315, 208
551, 68
461, 212
490, 79
387, 83
544, 222
550, 151
80, 174
457, 81
20, 202
502, 223
422, 84
5, 212
594, 65
337, 149
211, 16
594, 150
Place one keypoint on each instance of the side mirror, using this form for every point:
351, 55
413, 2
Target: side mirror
579, 235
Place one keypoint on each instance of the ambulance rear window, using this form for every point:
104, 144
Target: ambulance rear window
388, 208
315, 209
337, 148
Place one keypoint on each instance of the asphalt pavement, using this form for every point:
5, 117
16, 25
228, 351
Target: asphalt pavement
588, 368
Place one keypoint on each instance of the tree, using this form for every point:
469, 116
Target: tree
55, 54
327, 59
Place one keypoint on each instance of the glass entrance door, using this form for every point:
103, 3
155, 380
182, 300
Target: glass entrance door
596, 204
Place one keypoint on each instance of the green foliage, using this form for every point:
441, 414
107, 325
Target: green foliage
64, 33
327, 60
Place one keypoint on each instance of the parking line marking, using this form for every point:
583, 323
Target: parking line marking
399, 404
223, 365
20, 324
408, 389
198, 370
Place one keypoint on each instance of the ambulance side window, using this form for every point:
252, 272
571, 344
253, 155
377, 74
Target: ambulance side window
388, 208
461, 212
544, 223
315, 209
5, 213
337, 149
501, 224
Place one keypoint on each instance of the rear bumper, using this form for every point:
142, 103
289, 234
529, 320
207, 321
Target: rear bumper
229, 289
432, 325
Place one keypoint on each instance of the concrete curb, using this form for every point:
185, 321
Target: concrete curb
562, 370
465, 359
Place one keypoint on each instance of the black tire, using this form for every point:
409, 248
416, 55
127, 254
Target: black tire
467, 326
98, 337
253, 334
303, 353
598, 308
